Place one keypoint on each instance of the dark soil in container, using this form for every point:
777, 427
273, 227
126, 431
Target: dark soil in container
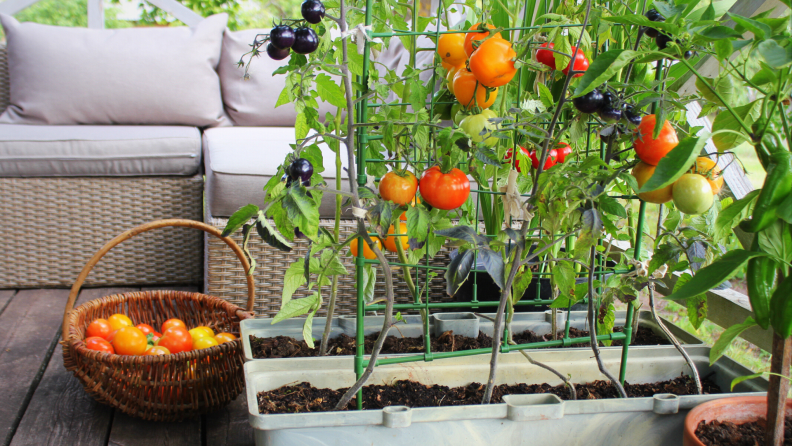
303, 397
287, 347
726, 433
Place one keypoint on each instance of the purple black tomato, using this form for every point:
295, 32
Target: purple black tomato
590, 102
631, 115
276, 53
610, 110
305, 40
282, 36
302, 170
654, 16
662, 40
313, 11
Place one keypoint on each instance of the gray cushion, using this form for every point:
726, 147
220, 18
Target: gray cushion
240, 160
52, 150
158, 76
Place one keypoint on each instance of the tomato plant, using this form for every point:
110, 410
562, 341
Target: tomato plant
99, 344
708, 168
517, 162
99, 327
649, 149
471, 37
474, 125
642, 172
465, 84
368, 253
117, 321
692, 194
444, 190
390, 242
398, 186
451, 48
176, 339
493, 63
130, 341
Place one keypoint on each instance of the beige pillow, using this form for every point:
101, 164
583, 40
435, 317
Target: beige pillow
165, 76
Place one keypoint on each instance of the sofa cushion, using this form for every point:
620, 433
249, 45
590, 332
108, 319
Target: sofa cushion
53, 150
159, 76
240, 160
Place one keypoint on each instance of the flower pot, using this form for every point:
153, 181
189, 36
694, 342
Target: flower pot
738, 410
541, 418
463, 324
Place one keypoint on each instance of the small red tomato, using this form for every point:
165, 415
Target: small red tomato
546, 56
176, 339
581, 63
563, 150
100, 328
173, 322
99, 344
517, 163
552, 157
146, 329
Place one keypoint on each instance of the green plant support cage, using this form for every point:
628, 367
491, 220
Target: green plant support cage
362, 138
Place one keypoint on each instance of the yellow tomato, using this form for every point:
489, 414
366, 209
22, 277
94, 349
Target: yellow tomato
225, 337
451, 48
157, 350
199, 332
204, 342
207, 329
118, 321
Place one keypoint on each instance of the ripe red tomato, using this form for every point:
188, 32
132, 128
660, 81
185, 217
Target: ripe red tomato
581, 63
552, 157
517, 163
563, 150
176, 339
130, 341
546, 56
398, 187
651, 150
444, 190
100, 328
99, 344
173, 322
146, 329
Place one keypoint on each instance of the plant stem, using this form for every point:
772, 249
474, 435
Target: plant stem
593, 326
717, 95
777, 390
674, 341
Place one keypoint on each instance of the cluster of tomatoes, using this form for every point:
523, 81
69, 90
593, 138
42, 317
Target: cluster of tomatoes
545, 56
554, 156
694, 192
117, 335
303, 40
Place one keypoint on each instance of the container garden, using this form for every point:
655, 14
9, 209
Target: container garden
542, 418
738, 410
539, 323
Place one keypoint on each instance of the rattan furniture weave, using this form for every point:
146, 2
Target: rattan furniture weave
226, 279
49, 227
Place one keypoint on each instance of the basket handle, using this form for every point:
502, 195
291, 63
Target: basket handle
75, 290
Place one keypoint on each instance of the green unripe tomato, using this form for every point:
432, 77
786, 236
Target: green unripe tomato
473, 125
692, 194
459, 116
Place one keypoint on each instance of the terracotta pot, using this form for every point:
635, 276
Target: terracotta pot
738, 410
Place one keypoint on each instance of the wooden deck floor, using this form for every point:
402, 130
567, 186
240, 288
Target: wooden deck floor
42, 404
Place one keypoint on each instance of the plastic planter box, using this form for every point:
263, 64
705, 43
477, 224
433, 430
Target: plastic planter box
522, 420
539, 323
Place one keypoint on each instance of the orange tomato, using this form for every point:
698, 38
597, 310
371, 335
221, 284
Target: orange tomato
367, 252
176, 339
447, 66
173, 322
450, 77
470, 37
117, 321
642, 172
465, 83
651, 150
225, 337
390, 242
493, 63
130, 341
157, 350
398, 187
201, 343
99, 344
708, 168
415, 200
451, 48
98, 328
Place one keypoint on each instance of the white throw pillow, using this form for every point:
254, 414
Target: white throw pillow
165, 76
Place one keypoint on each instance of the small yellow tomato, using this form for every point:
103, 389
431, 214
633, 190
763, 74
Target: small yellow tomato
225, 337
204, 342
207, 329
199, 332
118, 321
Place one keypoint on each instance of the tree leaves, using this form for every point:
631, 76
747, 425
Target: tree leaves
714, 274
239, 218
675, 164
603, 68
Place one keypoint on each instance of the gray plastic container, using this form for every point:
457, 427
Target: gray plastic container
521, 420
539, 323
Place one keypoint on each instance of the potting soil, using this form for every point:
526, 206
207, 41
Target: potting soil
726, 433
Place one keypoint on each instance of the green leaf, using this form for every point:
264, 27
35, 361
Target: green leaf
561, 44
696, 307
296, 307
458, 271
239, 218
740, 379
465, 233
329, 90
781, 309
726, 121
293, 280
308, 329
545, 96
723, 49
774, 54
726, 338
331, 263
760, 30
776, 240
284, 97
603, 68
270, 235
417, 223
732, 215
611, 206
564, 278
676, 163
301, 127
606, 319
718, 32
722, 84
714, 274
314, 154
521, 283
639, 20
764, 76
784, 210
302, 210
369, 282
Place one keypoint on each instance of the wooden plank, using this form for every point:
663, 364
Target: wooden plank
61, 412
231, 425
181, 12
128, 431
95, 14
12, 7
30, 332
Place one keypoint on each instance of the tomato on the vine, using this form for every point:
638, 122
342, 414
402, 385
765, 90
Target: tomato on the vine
444, 190
692, 194
398, 186
493, 63
98, 328
176, 339
117, 321
709, 169
470, 37
367, 251
581, 63
562, 149
642, 172
99, 344
648, 149
451, 48
450, 77
390, 242
415, 201
517, 162
545, 56
465, 84
474, 125
552, 159
130, 341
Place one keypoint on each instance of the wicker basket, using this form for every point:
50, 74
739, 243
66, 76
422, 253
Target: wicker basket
158, 388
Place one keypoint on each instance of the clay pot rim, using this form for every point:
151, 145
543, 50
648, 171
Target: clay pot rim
743, 402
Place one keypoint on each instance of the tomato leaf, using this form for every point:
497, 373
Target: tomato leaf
417, 223
726, 338
296, 307
612, 206
302, 210
675, 164
603, 68
239, 218
270, 235
521, 283
714, 274
465, 233
740, 379
732, 215
493, 263
458, 271
369, 281
774, 54
726, 121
